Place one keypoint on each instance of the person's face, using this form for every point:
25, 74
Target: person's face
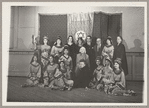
62, 64
88, 39
70, 39
82, 50
35, 58
116, 65
66, 51
79, 42
98, 62
45, 41
108, 42
51, 59
58, 41
119, 40
98, 41
107, 63
81, 64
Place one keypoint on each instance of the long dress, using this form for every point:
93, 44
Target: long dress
108, 51
45, 51
97, 77
98, 50
68, 61
72, 53
34, 75
119, 52
82, 80
119, 83
91, 53
68, 64
56, 51
49, 73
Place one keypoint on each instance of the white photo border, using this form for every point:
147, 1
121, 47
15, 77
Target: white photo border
6, 8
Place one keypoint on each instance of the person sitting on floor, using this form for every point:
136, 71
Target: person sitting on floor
48, 75
61, 81
82, 78
119, 86
35, 73
107, 77
97, 74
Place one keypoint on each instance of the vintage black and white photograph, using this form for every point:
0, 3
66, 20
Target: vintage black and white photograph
74, 53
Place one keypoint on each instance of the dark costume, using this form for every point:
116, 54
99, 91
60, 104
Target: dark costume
82, 79
119, 52
91, 53
72, 53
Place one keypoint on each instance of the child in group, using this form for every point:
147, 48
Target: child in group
107, 77
97, 75
82, 79
35, 73
61, 81
68, 61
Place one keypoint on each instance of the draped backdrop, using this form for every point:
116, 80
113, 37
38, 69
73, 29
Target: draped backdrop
96, 24
80, 22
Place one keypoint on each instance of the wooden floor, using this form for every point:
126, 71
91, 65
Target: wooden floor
37, 94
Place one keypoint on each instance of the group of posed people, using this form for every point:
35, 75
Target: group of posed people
88, 65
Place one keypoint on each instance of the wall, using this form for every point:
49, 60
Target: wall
25, 20
24, 24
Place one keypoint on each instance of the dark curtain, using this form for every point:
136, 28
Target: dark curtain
114, 26
107, 25
53, 26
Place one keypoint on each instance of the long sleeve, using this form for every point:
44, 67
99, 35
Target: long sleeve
53, 50
123, 81
103, 51
112, 52
87, 60
39, 72
71, 64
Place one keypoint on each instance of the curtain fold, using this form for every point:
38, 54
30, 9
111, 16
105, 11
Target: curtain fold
53, 26
80, 22
105, 24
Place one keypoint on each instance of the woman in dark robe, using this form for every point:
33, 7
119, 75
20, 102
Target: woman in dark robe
119, 52
72, 49
91, 53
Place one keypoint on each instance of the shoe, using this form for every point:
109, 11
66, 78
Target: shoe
69, 88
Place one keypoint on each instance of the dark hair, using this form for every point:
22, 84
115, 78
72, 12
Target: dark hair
71, 37
80, 39
60, 63
66, 48
120, 64
59, 38
33, 58
121, 38
110, 39
47, 41
89, 36
52, 57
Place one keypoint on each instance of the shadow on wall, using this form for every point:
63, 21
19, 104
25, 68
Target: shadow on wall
137, 46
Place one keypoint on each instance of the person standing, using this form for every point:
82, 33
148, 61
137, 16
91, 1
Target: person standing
72, 49
119, 52
90, 51
108, 50
57, 49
